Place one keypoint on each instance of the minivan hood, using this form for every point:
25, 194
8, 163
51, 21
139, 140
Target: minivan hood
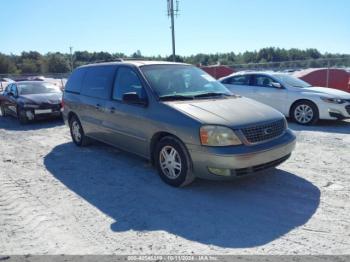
233, 112
327, 91
49, 98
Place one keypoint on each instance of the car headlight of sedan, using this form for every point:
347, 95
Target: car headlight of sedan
30, 106
332, 100
211, 135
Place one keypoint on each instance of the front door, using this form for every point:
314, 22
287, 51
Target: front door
267, 93
128, 123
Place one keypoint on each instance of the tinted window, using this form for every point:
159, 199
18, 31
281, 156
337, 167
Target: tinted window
127, 81
98, 81
7, 89
239, 80
263, 81
184, 80
75, 80
37, 88
14, 90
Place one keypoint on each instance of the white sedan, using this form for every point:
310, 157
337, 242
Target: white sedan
293, 97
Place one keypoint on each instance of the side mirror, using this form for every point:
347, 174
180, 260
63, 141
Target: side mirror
133, 98
11, 94
277, 85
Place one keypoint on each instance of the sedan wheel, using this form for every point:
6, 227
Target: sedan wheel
305, 113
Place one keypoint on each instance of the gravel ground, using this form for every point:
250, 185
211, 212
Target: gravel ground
56, 198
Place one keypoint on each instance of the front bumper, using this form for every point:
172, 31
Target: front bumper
341, 111
241, 160
42, 112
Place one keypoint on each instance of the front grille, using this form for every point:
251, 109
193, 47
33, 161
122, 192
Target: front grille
261, 133
55, 107
249, 170
348, 108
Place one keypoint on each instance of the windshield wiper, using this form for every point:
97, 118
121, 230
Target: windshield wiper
175, 97
211, 94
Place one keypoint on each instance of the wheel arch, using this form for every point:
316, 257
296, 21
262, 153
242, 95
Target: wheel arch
159, 136
70, 115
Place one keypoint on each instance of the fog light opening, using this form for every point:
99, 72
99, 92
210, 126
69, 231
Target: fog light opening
220, 171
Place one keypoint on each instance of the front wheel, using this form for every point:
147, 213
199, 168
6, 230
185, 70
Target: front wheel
173, 162
22, 117
2, 111
305, 113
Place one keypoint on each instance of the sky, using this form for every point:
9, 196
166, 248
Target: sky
203, 26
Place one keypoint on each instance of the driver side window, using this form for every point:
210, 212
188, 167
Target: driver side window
127, 81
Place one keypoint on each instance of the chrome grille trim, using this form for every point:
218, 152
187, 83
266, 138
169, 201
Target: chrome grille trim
264, 132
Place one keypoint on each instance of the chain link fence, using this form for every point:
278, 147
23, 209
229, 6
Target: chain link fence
54, 78
290, 66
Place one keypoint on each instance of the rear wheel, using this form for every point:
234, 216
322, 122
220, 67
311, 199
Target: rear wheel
173, 162
77, 132
305, 113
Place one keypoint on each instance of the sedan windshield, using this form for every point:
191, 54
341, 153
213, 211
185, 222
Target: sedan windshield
182, 82
37, 88
292, 81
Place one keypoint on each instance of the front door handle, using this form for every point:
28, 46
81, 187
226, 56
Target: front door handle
98, 106
112, 110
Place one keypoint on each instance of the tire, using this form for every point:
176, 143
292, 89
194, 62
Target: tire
77, 132
305, 113
22, 118
2, 111
177, 170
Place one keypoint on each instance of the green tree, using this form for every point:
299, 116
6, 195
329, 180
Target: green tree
57, 63
7, 66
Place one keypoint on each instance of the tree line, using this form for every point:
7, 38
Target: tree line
33, 62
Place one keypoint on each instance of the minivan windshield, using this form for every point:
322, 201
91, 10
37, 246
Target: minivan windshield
182, 82
37, 88
292, 81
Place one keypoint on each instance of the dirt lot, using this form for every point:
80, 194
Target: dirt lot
56, 198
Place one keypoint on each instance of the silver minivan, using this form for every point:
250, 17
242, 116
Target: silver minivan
177, 116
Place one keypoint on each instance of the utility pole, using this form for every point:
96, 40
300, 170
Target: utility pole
172, 11
71, 58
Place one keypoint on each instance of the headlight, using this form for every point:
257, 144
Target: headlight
332, 100
30, 106
218, 136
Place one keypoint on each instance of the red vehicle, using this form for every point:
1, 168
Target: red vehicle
333, 78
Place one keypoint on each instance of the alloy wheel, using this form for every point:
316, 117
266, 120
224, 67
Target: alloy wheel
303, 113
170, 162
76, 131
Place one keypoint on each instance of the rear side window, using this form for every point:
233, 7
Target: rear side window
98, 81
239, 80
75, 81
